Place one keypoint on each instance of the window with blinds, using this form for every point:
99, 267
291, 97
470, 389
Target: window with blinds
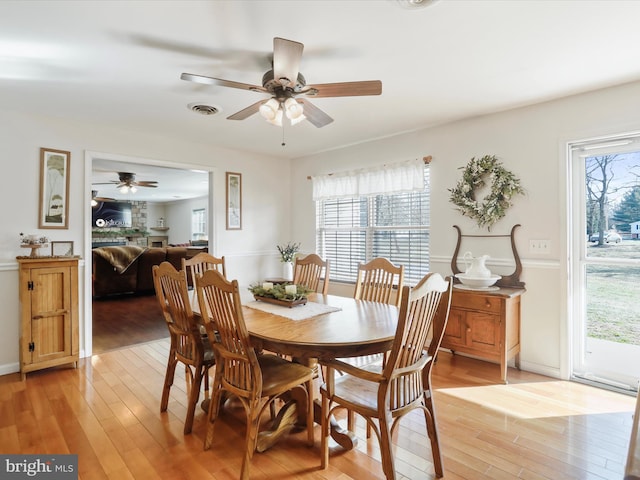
354, 230
198, 224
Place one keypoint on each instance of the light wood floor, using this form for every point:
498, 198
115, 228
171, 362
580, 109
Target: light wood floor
107, 411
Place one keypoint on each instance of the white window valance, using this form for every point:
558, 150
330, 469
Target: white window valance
400, 177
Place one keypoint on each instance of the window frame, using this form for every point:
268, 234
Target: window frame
201, 213
344, 267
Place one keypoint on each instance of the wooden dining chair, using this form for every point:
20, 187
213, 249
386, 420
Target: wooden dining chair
187, 344
202, 262
403, 383
257, 380
379, 281
308, 271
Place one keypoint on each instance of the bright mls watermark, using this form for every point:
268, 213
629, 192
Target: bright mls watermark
51, 467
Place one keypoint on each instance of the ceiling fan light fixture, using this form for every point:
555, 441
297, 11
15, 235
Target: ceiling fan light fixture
277, 120
269, 109
293, 109
298, 119
124, 189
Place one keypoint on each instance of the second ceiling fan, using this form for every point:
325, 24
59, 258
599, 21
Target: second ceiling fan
127, 182
284, 83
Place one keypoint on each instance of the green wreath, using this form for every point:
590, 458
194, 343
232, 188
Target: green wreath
504, 185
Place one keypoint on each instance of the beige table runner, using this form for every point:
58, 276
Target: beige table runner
300, 312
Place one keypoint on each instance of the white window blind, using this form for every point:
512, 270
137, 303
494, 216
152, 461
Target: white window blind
354, 230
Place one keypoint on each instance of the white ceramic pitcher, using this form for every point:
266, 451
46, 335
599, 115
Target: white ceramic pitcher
475, 266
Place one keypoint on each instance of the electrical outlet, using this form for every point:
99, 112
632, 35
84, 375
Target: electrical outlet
539, 247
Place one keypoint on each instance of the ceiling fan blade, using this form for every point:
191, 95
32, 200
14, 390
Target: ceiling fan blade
246, 112
191, 77
316, 116
344, 89
94, 196
105, 183
248, 59
146, 184
286, 61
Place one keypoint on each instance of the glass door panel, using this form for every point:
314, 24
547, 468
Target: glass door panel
606, 267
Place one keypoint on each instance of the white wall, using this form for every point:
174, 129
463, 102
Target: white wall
178, 218
528, 140
251, 253
155, 211
530, 143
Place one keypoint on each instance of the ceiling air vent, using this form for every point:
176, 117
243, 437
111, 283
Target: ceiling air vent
203, 109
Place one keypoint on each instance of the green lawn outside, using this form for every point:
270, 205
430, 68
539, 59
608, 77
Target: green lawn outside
613, 294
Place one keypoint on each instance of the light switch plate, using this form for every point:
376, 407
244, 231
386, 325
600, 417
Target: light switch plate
539, 247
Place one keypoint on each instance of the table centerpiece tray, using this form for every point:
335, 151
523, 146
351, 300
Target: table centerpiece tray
283, 303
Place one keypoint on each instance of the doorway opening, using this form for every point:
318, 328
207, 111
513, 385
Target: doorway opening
605, 261
159, 205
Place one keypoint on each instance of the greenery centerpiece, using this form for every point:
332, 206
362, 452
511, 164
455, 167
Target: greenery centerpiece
279, 291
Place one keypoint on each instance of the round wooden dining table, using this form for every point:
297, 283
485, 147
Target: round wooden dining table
355, 328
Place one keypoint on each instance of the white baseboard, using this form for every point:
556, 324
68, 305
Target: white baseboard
9, 368
541, 370
525, 366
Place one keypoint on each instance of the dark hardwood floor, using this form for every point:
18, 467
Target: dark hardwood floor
125, 320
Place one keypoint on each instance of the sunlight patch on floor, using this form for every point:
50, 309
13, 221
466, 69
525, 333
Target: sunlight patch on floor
543, 399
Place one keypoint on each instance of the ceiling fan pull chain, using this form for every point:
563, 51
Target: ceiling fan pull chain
283, 144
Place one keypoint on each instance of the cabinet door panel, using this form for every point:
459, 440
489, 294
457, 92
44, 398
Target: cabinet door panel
454, 333
51, 314
50, 338
485, 331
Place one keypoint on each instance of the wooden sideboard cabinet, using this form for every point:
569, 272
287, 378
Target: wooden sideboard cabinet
485, 324
48, 312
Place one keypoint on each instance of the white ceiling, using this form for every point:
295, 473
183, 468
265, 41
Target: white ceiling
173, 184
119, 63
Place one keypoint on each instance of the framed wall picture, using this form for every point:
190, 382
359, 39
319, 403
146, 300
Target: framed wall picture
61, 249
234, 201
54, 188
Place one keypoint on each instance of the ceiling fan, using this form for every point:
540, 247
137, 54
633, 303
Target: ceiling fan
127, 182
284, 83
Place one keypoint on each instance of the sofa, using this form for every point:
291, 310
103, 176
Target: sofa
127, 269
